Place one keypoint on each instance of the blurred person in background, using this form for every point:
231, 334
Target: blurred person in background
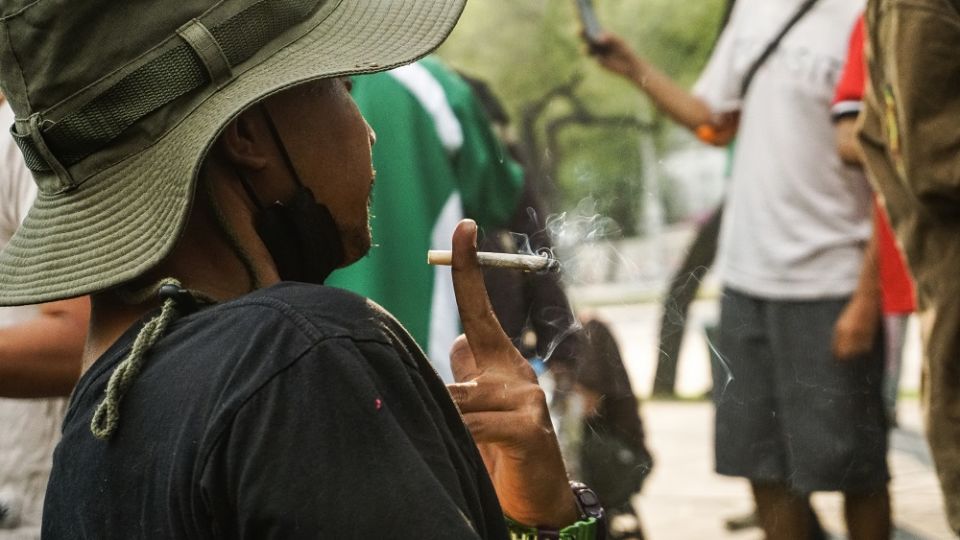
40, 349
803, 410
685, 283
897, 297
612, 451
681, 292
910, 136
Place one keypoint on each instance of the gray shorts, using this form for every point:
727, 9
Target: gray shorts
787, 410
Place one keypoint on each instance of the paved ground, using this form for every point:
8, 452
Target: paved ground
684, 499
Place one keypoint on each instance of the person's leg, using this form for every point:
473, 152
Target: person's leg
941, 399
784, 514
895, 329
748, 441
815, 530
868, 514
832, 411
676, 304
748, 438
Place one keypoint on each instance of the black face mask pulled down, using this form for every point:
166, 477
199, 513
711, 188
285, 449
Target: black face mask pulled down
302, 238
300, 235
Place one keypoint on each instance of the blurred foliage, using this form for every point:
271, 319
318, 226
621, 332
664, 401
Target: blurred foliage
526, 50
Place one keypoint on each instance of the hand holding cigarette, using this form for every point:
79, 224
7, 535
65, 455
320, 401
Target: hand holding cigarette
502, 404
526, 263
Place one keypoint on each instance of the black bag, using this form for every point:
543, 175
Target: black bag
611, 467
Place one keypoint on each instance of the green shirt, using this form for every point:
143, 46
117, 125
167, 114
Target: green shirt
437, 161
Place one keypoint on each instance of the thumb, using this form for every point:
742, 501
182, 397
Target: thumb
462, 362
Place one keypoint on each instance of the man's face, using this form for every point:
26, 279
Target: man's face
329, 143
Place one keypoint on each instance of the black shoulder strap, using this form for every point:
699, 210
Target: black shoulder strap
772, 46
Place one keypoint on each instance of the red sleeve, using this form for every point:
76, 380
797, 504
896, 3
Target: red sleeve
849, 93
896, 283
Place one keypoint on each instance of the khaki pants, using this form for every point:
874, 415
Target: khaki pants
911, 139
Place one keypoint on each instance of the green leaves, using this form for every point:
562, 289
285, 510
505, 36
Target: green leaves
579, 124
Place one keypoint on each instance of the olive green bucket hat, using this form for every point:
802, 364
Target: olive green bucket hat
117, 103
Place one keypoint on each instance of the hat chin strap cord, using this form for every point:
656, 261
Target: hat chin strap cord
176, 301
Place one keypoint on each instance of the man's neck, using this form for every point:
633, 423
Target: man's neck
203, 260
109, 319
112, 314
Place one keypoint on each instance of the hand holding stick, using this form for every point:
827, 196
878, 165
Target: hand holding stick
502, 404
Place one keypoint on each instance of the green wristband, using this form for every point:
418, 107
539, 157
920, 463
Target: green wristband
582, 530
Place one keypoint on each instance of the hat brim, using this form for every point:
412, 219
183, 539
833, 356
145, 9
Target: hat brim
125, 219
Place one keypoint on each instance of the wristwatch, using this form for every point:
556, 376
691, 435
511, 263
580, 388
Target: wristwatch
591, 523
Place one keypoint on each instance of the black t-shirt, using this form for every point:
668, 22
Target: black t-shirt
294, 412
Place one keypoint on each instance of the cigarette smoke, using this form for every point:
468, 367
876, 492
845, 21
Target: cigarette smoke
561, 236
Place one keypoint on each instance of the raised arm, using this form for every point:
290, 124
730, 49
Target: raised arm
681, 105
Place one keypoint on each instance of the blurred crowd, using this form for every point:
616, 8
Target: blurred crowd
843, 176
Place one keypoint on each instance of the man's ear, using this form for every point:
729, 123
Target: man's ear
242, 142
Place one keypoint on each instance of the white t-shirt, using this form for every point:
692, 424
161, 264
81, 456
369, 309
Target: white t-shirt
30, 427
796, 218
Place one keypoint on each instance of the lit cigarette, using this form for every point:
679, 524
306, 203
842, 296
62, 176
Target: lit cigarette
527, 263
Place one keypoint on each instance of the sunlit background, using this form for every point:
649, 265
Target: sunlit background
626, 190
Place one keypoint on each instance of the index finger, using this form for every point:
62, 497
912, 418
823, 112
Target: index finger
483, 330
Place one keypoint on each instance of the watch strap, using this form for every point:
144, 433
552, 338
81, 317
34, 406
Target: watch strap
591, 525
581, 530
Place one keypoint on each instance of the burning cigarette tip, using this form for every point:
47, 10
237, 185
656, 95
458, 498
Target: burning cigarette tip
527, 263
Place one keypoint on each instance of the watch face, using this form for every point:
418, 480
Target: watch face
590, 507
588, 498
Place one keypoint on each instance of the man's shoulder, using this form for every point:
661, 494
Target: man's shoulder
271, 327
318, 311
229, 352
